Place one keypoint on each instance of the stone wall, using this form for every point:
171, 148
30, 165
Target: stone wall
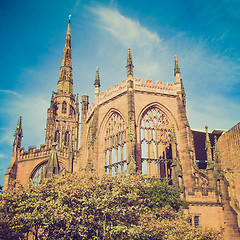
229, 147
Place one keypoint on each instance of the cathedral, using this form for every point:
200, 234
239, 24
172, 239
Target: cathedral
136, 126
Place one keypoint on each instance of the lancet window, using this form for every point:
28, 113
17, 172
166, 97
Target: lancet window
39, 173
115, 145
64, 107
67, 138
57, 136
72, 111
156, 151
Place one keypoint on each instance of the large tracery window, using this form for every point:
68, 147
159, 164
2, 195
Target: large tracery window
39, 173
156, 151
115, 145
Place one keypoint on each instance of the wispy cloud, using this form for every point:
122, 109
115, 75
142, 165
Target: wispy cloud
125, 30
10, 92
149, 49
207, 74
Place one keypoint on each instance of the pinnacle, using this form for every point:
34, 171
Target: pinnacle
18, 131
176, 69
97, 79
129, 64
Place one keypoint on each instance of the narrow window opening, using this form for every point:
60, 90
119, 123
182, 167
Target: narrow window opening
196, 221
67, 139
64, 107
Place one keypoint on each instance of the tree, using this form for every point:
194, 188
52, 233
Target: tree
91, 207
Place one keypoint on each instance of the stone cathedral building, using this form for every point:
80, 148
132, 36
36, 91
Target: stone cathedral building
136, 126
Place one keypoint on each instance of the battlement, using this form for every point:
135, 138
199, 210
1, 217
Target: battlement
198, 196
147, 86
159, 87
44, 151
115, 90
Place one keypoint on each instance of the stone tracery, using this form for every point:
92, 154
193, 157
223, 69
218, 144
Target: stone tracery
38, 174
155, 131
115, 144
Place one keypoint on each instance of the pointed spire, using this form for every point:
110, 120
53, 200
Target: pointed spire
207, 141
129, 64
97, 82
18, 131
65, 82
97, 79
176, 69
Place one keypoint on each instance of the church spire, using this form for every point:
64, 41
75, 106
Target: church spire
129, 64
65, 82
177, 70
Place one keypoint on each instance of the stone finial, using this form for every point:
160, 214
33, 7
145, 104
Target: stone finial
18, 134
129, 65
97, 79
18, 131
176, 69
207, 141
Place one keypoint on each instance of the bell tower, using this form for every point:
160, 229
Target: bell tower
63, 115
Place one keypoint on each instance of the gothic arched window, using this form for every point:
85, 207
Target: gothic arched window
57, 136
67, 138
72, 112
156, 151
38, 173
115, 145
64, 107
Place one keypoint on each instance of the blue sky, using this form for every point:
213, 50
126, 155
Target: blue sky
203, 34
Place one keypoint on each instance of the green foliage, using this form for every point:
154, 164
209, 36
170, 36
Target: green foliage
160, 194
90, 207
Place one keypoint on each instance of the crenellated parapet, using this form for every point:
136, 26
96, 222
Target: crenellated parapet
203, 197
159, 87
44, 151
139, 85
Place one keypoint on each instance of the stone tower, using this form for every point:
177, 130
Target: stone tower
63, 114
